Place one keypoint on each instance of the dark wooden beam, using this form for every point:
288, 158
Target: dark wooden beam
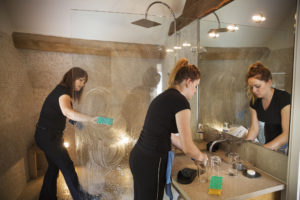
220, 53
196, 9
92, 47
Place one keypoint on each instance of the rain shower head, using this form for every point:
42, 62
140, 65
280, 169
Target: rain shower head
214, 33
146, 23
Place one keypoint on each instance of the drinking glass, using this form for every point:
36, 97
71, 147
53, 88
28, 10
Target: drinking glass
215, 163
233, 158
202, 172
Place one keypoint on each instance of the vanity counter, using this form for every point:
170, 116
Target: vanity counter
234, 187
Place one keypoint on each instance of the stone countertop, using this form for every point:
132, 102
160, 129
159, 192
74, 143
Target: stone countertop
234, 187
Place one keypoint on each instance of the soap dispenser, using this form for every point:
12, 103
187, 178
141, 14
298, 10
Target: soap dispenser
225, 127
199, 133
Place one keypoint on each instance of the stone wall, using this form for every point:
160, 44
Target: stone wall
16, 121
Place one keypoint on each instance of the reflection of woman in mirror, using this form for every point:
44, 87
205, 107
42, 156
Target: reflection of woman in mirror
269, 108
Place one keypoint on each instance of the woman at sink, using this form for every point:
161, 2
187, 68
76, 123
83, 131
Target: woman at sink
269, 108
168, 113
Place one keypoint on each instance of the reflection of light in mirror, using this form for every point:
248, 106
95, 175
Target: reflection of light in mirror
169, 50
177, 47
66, 144
258, 18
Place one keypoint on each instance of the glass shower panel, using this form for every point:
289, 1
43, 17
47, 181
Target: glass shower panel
125, 64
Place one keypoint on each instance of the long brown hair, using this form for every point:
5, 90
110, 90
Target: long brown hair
69, 81
181, 71
259, 71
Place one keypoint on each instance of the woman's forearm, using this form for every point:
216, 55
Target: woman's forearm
251, 134
277, 142
77, 116
176, 141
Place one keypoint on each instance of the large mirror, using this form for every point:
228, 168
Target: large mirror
224, 60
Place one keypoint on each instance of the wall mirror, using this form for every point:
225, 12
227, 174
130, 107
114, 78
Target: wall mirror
224, 60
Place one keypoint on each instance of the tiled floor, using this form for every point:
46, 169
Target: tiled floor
117, 186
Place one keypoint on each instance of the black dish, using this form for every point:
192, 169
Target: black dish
186, 175
256, 175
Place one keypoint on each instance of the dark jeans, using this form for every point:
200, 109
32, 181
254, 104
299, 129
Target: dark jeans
51, 143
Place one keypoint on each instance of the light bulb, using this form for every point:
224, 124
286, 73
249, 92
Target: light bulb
213, 34
232, 27
258, 18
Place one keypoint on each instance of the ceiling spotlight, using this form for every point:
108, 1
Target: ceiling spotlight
213, 33
169, 50
232, 27
258, 18
177, 47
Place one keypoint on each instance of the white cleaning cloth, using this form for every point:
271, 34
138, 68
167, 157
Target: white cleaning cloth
239, 132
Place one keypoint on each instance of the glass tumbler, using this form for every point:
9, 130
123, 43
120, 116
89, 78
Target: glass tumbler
215, 163
233, 158
202, 172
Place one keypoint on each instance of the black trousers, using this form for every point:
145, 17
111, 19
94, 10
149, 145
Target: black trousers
149, 174
51, 143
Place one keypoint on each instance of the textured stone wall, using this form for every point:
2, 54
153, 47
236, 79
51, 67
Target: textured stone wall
16, 119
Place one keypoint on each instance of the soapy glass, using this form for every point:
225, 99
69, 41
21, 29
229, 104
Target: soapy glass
233, 158
202, 172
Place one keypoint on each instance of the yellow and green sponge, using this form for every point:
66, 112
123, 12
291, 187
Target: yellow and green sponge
215, 185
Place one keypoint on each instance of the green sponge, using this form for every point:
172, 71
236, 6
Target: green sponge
105, 120
215, 185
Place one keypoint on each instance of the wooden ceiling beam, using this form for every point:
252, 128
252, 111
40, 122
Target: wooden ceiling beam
91, 47
196, 9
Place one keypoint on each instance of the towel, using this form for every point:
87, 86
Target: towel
168, 174
239, 132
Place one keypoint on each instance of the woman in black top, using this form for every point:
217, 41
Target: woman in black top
269, 108
168, 113
49, 134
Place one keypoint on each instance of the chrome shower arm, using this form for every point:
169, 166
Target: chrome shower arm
219, 24
170, 9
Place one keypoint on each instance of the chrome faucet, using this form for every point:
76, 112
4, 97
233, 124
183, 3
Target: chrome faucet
227, 138
215, 142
